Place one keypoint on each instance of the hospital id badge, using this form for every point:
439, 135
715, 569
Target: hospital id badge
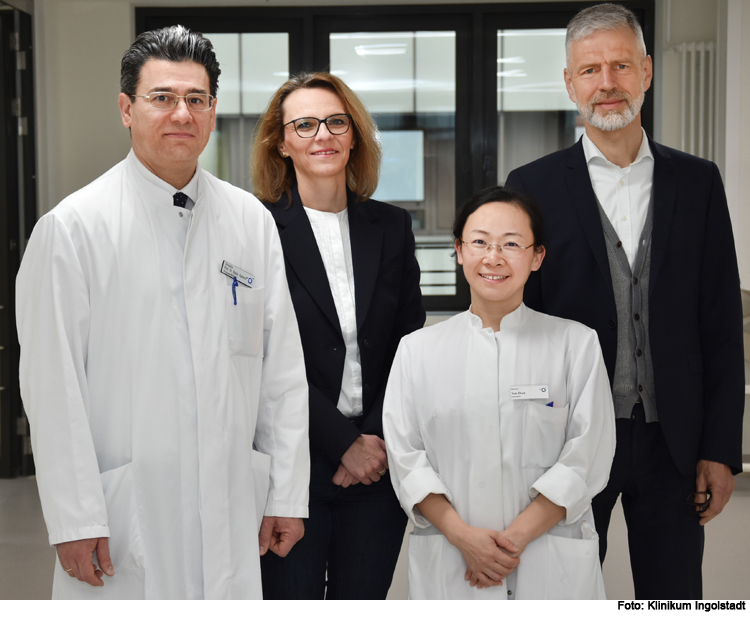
234, 272
533, 391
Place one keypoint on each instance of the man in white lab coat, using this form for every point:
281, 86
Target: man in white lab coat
161, 366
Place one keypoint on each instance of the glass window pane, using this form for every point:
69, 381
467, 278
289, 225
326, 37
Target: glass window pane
253, 67
407, 81
535, 115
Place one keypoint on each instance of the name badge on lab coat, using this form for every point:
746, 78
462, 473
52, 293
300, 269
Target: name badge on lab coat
533, 391
242, 276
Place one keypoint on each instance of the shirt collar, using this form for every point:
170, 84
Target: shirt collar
510, 321
591, 151
191, 189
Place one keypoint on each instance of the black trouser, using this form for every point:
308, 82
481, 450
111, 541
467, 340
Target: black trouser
665, 539
351, 544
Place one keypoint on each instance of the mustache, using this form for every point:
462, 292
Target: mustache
612, 94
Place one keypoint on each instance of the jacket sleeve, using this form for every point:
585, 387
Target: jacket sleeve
330, 431
720, 323
582, 470
410, 317
412, 475
52, 312
282, 428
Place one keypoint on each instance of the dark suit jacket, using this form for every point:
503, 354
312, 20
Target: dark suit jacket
388, 306
695, 311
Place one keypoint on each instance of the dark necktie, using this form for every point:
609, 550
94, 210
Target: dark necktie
180, 199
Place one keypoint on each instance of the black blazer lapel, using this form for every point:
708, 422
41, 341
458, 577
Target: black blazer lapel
302, 253
586, 208
367, 246
665, 200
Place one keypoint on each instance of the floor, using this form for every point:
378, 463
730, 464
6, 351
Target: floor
726, 565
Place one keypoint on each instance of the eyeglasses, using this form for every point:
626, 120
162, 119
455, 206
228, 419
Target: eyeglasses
337, 124
168, 100
508, 249
699, 501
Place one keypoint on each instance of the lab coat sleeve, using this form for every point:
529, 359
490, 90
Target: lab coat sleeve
582, 470
283, 414
52, 311
412, 474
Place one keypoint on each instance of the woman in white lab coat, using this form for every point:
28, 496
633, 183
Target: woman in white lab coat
499, 428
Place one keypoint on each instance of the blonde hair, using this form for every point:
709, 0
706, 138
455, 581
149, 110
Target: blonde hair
273, 175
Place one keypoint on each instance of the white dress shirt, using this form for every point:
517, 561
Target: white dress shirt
624, 193
332, 235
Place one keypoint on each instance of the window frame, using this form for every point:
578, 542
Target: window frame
476, 28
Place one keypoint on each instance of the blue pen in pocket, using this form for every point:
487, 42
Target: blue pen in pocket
234, 290
551, 404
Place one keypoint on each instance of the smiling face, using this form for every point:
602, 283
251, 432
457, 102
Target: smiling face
321, 157
497, 279
607, 78
169, 142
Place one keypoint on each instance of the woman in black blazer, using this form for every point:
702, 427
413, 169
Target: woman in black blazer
354, 282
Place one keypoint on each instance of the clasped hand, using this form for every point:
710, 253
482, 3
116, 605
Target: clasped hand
365, 461
490, 555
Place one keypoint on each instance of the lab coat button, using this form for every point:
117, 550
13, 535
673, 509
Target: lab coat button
612, 324
367, 388
366, 344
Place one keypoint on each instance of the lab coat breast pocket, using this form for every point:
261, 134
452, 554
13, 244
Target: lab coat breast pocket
245, 321
543, 434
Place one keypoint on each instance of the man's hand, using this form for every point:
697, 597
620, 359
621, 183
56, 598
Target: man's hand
717, 478
279, 534
343, 478
366, 459
76, 558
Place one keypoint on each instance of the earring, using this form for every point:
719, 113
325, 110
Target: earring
284, 155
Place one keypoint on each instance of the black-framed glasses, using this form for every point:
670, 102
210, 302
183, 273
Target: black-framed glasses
337, 124
699, 501
168, 100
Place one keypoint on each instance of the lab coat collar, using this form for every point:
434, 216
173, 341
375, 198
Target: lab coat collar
510, 322
158, 189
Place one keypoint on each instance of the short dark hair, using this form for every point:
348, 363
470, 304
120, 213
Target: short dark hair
499, 194
172, 43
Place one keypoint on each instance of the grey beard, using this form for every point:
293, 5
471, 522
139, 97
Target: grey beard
611, 120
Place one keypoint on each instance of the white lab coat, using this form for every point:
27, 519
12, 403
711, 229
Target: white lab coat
162, 415
452, 427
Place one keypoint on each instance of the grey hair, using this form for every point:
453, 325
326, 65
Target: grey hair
173, 43
602, 17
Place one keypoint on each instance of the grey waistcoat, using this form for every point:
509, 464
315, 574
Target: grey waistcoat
634, 370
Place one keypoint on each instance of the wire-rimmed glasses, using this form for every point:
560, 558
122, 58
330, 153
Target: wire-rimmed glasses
168, 100
509, 248
337, 124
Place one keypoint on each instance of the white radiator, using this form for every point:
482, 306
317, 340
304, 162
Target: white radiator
698, 75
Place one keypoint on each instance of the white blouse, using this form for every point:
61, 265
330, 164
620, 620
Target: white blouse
334, 243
